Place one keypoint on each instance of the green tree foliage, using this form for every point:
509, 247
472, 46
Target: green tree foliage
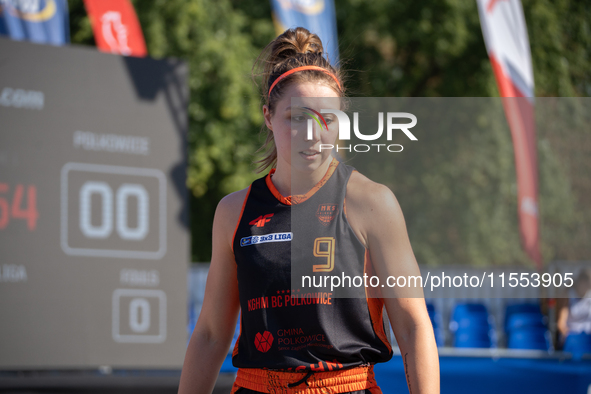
458, 191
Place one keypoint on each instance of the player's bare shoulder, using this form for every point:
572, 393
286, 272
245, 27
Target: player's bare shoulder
368, 196
370, 205
229, 210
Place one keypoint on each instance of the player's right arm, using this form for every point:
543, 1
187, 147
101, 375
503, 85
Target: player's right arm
214, 330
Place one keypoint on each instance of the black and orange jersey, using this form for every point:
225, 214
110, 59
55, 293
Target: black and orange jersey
298, 329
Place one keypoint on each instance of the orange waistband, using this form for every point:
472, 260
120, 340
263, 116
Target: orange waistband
333, 382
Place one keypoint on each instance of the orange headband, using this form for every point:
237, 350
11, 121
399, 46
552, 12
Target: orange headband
293, 70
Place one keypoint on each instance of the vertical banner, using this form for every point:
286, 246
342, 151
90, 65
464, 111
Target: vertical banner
507, 43
39, 21
116, 27
318, 16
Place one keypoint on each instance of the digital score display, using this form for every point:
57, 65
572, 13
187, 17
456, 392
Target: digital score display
130, 209
94, 241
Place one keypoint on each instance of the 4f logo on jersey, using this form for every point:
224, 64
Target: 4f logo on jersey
261, 220
326, 213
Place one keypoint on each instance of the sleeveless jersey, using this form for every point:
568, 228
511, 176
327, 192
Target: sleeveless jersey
303, 328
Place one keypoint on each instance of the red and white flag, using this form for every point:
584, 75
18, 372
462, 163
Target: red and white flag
116, 27
507, 43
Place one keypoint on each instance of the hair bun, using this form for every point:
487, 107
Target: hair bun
293, 42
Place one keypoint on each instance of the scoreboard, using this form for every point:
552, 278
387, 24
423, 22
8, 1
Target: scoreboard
94, 242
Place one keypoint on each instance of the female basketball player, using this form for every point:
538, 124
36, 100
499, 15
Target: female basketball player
291, 340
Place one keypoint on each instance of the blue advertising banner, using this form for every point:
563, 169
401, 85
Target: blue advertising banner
39, 21
318, 16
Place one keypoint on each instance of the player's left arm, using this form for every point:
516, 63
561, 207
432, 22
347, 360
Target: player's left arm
375, 215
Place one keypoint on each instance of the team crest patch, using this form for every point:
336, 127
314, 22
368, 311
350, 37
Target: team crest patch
326, 213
